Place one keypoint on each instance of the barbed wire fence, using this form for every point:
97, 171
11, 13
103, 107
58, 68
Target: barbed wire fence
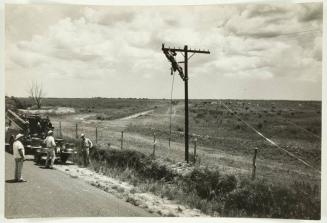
104, 138
107, 138
158, 146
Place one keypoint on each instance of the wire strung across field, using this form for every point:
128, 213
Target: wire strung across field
171, 106
269, 140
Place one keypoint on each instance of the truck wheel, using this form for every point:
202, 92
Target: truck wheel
37, 158
63, 159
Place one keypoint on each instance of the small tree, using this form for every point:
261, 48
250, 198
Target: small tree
37, 93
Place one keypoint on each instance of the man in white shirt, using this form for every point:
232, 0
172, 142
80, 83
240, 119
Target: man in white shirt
86, 145
51, 145
19, 156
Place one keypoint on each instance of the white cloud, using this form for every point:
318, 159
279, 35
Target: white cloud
247, 42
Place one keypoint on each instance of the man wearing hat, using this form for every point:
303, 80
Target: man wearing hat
51, 145
19, 155
86, 144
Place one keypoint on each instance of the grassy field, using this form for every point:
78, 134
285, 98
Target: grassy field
103, 108
293, 125
224, 141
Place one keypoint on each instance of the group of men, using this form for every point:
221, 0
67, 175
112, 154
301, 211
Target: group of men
49, 141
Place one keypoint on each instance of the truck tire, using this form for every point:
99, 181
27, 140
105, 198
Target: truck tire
63, 158
37, 158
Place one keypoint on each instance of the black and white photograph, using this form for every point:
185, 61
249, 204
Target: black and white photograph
180, 110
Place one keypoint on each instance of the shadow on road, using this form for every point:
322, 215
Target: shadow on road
43, 164
66, 164
39, 164
13, 181
47, 168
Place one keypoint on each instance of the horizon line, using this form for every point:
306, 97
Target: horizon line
142, 98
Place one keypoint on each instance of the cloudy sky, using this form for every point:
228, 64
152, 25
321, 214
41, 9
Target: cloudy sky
257, 51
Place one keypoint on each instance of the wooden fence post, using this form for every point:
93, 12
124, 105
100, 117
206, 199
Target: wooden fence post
154, 145
194, 155
122, 139
76, 132
96, 134
60, 132
254, 163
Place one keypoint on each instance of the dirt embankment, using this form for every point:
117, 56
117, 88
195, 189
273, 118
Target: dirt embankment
130, 193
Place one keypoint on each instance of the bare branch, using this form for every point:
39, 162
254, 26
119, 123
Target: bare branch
37, 93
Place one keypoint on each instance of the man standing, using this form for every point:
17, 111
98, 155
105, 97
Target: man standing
51, 153
19, 155
86, 144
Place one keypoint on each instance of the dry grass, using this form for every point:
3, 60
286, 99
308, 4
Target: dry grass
208, 190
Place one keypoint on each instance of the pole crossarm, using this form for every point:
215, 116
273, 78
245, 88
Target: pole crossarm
183, 50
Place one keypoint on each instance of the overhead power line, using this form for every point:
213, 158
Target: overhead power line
269, 140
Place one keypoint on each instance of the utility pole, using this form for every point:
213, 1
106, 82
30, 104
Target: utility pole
186, 103
170, 53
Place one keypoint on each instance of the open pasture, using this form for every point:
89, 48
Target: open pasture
231, 129
227, 132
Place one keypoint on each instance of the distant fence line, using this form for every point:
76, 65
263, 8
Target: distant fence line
78, 129
122, 139
118, 138
152, 146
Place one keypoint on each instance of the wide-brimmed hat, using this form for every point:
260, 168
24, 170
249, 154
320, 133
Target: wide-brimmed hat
18, 136
50, 132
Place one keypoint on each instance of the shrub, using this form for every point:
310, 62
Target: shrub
139, 162
259, 126
100, 117
254, 198
259, 199
199, 115
212, 112
282, 199
210, 184
159, 172
212, 192
227, 184
298, 201
18, 103
204, 182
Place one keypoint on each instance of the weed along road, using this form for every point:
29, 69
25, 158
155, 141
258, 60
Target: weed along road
51, 193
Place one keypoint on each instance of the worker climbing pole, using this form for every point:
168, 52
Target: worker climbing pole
171, 53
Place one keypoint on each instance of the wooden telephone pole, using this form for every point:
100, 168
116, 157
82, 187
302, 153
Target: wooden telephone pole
184, 76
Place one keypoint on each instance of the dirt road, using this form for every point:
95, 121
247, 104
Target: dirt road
50, 193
